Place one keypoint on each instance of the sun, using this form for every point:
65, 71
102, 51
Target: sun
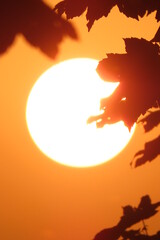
58, 106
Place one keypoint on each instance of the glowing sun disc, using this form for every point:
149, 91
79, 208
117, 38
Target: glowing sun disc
58, 106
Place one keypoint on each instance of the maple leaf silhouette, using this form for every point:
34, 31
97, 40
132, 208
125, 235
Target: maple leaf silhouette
131, 216
151, 120
136, 8
95, 9
149, 153
137, 72
36, 21
99, 8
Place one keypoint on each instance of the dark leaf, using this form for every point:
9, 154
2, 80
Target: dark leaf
151, 120
71, 8
143, 47
131, 216
132, 8
95, 9
38, 23
130, 234
108, 234
138, 73
157, 36
150, 152
136, 8
158, 12
99, 8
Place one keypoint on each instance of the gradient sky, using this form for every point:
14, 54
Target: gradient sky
41, 199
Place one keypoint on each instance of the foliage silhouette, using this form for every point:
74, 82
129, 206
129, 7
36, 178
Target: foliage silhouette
137, 76
157, 36
150, 152
151, 120
138, 92
131, 215
36, 21
99, 8
152, 148
137, 70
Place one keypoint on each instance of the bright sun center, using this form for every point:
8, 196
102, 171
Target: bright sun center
58, 107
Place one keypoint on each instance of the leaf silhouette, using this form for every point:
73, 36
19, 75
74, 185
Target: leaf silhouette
130, 234
157, 36
151, 120
99, 8
131, 216
148, 154
95, 9
136, 8
42, 27
71, 8
137, 72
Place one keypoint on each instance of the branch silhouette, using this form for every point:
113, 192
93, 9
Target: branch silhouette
36, 21
131, 216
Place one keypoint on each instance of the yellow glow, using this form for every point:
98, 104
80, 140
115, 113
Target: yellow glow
58, 107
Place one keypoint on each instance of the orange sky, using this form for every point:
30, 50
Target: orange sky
41, 199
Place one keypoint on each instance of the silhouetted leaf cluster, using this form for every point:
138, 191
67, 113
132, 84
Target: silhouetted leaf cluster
99, 8
151, 120
149, 153
152, 148
137, 72
131, 216
36, 21
138, 91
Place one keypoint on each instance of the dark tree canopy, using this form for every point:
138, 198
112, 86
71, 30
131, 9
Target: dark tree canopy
36, 21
